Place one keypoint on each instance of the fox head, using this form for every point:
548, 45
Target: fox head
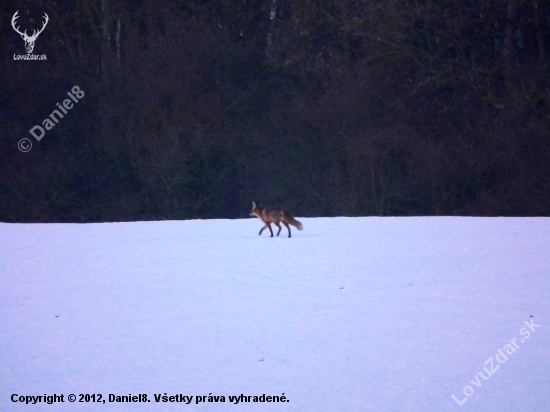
255, 209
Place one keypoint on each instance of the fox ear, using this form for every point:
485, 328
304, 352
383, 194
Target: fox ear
253, 204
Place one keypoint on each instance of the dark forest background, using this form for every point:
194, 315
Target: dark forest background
193, 109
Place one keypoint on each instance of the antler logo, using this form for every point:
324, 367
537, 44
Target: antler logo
29, 40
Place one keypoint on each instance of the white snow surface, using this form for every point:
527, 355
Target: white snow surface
351, 314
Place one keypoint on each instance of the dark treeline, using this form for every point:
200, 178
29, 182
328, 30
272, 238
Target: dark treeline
193, 109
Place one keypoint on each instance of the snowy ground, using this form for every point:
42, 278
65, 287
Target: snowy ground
352, 314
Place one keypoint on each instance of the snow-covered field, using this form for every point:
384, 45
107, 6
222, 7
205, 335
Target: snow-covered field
352, 314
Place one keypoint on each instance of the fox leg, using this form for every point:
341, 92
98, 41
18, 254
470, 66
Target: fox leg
267, 225
287, 226
279, 226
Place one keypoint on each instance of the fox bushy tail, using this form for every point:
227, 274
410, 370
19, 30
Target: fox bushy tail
291, 221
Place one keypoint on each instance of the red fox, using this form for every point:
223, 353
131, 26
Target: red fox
275, 215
